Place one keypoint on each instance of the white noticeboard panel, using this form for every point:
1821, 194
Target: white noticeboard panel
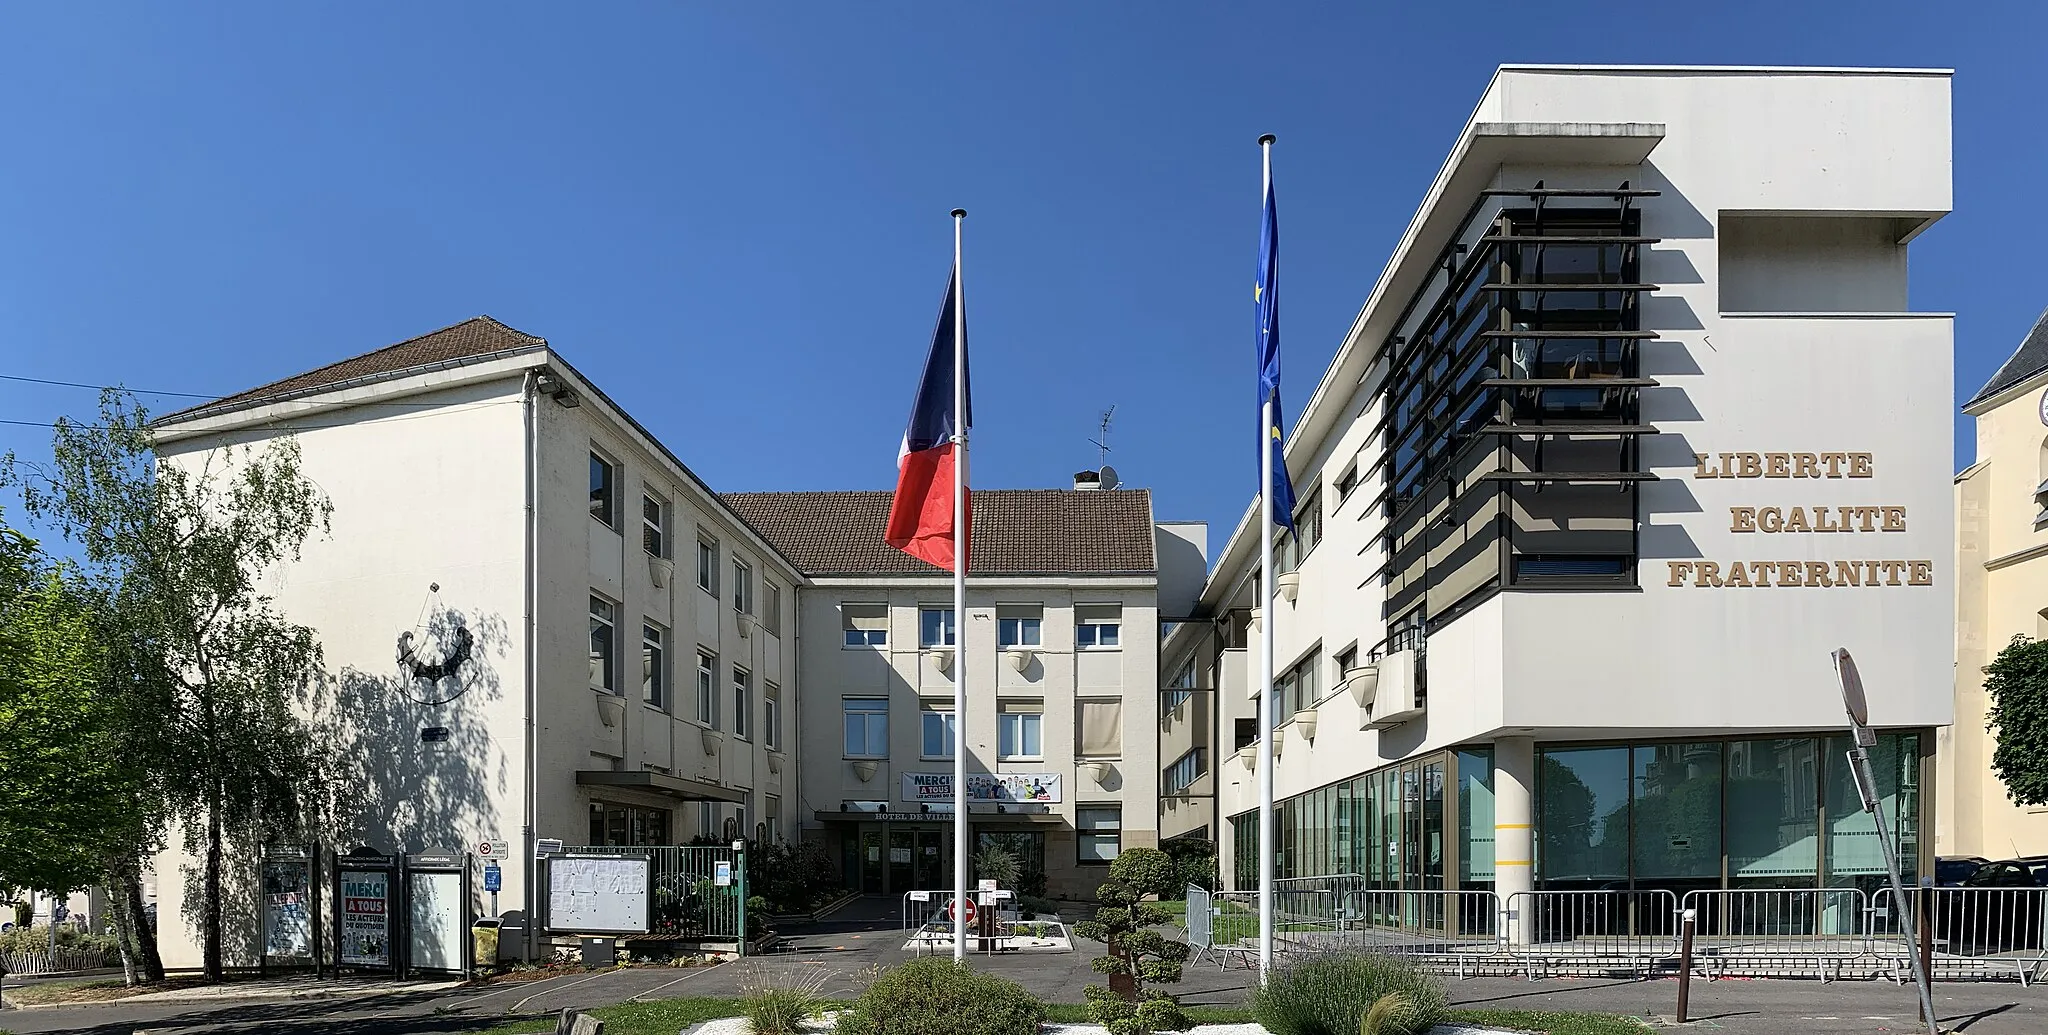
437, 932
598, 894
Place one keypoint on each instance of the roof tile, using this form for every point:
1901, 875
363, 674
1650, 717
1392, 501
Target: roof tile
1016, 532
2029, 359
476, 336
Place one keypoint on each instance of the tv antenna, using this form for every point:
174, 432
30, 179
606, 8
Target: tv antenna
1101, 442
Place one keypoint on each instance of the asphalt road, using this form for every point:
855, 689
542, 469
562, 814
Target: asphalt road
857, 942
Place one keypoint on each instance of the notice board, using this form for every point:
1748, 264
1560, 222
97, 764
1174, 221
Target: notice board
599, 894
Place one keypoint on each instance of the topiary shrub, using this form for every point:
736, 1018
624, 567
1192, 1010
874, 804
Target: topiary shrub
941, 997
1149, 871
1136, 953
1341, 993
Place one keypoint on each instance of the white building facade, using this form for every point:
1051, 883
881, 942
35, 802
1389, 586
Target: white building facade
630, 643
1635, 428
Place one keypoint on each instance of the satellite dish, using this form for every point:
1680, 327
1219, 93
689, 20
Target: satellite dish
1109, 478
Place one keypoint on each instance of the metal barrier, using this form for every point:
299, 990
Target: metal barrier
688, 902
65, 959
1200, 927
1977, 932
1600, 931
1781, 932
1825, 933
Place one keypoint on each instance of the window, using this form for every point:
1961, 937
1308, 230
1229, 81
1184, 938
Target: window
935, 627
1180, 688
707, 689
1301, 687
1100, 729
603, 495
603, 645
1097, 626
742, 701
654, 526
1101, 830
742, 587
1347, 659
707, 819
1019, 725
771, 607
1184, 771
1308, 531
653, 664
628, 825
1347, 482
938, 732
771, 716
707, 563
867, 727
1018, 626
771, 814
866, 625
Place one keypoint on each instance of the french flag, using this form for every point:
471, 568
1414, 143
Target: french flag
930, 466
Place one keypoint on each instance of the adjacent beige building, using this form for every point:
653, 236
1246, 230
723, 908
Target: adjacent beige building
632, 641
2001, 592
1060, 649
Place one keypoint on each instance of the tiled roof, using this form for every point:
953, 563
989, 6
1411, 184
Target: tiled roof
472, 338
2029, 359
1016, 532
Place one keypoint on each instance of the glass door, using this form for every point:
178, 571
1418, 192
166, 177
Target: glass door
931, 861
871, 851
902, 868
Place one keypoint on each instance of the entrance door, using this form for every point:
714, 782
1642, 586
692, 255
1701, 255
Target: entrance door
933, 867
872, 852
902, 867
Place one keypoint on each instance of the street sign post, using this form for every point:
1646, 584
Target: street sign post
1858, 708
494, 881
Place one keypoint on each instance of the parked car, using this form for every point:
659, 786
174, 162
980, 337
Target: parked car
1952, 870
1996, 909
2039, 865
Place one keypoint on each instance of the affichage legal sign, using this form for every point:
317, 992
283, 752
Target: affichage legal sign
1800, 519
1001, 788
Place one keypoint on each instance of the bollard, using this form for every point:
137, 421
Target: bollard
1688, 918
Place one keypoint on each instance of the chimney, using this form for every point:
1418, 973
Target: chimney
1087, 480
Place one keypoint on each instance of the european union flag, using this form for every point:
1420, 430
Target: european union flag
1266, 297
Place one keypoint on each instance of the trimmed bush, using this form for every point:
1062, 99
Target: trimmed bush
1149, 871
941, 997
1332, 994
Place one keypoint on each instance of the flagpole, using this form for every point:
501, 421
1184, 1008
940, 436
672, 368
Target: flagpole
1266, 713
960, 543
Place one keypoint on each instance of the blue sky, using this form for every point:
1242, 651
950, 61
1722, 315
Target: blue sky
733, 216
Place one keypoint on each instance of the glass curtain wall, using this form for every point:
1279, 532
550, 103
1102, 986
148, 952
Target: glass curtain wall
1664, 815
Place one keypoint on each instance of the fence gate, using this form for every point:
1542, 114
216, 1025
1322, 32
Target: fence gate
699, 890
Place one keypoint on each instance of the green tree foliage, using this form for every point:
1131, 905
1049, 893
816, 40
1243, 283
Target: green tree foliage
215, 678
61, 811
2017, 683
1136, 950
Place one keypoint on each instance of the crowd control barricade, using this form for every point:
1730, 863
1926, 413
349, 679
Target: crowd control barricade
1781, 932
1591, 932
1977, 933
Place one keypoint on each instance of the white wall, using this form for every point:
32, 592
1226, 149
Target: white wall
421, 496
1675, 660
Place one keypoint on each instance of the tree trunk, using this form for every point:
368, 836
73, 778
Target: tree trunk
140, 963
209, 907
